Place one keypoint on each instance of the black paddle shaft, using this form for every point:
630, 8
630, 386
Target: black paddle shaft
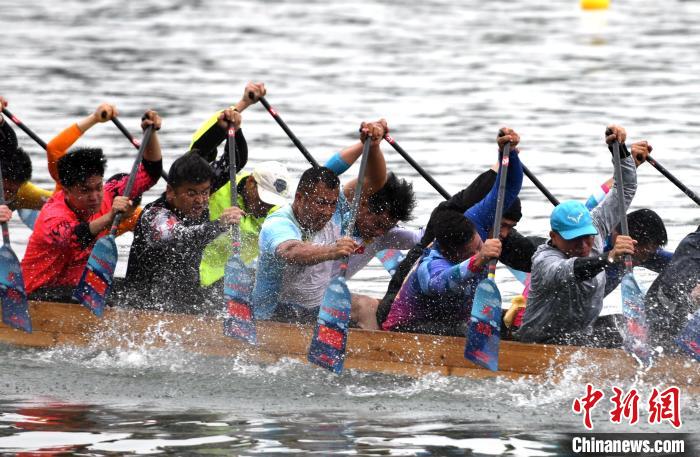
504, 159
617, 162
290, 134
132, 177
552, 199
693, 196
235, 234
24, 128
441, 190
5, 229
131, 138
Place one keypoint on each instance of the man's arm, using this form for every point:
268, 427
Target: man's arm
438, 277
212, 132
305, 253
606, 216
483, 213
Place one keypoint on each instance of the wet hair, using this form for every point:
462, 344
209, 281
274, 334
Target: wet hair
452, 229
396, 197
189, 168
119, 176
80, 164
16, 166
315, 175
646, 227
514, 212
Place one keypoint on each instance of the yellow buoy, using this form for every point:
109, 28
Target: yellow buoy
595, 4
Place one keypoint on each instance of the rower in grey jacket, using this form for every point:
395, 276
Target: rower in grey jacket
568, 277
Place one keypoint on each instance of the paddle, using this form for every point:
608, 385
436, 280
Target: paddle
552, 199
330, 338
441, 190
15, 311
636, 329
238, 281
96, 281
131, 138
26, 129
290, 134
484, 332
693, 196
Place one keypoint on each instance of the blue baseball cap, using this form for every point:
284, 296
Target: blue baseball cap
571, 219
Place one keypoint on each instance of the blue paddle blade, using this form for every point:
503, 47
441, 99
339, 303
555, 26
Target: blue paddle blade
484, 333
636, 330
689, 338
238, 284
15, 312
96, 281
519, 275
327, 348
390, 258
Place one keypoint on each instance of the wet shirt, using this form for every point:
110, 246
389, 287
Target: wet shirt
277, 281
440, 290
164, 259
280, 282
61, 242
436, 290
560, 307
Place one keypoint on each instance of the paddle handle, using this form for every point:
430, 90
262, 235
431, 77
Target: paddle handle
355, 208
273, 112
132, 176
441, 190
504, 160
552, 199
26, 129
617, 162
693, 196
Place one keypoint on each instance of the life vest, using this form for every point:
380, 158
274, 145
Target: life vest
218, 251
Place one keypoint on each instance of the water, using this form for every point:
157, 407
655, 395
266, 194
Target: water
446, 76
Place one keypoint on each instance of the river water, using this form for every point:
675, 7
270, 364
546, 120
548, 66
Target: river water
446, 76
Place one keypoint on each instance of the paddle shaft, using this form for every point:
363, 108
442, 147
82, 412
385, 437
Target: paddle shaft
441, 190
674, 180
131, 138
504, 159
552, 199
132, 177
290, 134
235, 232
621, 200
5, 228
26, 129
356, 199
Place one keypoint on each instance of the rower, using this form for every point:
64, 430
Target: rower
20, 193
436, 296
568, 277
260, 192
80, 213
675, 294
170, 237
298, 241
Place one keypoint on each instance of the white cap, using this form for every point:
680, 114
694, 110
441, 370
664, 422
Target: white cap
273, 182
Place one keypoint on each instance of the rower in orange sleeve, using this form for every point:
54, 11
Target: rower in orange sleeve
57, 147
80, 212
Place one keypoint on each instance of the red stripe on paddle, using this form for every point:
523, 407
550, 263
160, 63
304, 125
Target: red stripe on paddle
332, 338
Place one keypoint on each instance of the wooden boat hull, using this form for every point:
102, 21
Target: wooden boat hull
401, 353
